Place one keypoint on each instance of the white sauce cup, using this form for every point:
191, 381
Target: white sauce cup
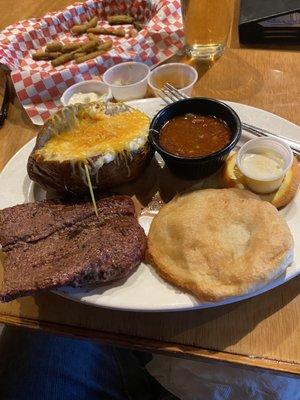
127, 80
90, 86
265, 185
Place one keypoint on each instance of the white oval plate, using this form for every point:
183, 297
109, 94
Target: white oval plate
144, 290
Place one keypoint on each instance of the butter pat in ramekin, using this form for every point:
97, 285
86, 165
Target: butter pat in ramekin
264, 163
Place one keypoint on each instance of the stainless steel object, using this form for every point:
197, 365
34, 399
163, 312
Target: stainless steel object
169, 94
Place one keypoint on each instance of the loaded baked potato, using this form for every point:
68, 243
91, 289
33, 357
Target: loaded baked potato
110, 139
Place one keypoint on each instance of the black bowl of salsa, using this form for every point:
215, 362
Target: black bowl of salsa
194, 136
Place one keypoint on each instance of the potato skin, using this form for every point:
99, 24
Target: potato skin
64, 177
69, 177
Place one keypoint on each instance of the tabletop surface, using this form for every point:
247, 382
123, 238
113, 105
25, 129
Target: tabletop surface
261, 332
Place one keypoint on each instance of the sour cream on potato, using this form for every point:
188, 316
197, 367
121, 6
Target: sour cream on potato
84, 98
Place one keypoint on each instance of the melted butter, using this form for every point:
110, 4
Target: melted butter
101, 135
263, 164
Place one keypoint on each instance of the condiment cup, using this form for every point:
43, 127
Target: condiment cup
180, 75
265, 185
128, 80
89, 86
195, 167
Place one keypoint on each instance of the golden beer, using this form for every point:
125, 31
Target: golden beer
206, 27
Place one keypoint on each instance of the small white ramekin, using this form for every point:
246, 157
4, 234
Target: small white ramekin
92, 85
172, 73
128, 80
265, 185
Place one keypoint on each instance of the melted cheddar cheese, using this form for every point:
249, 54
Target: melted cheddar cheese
105, 134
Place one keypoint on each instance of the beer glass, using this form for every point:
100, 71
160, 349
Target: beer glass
206, 27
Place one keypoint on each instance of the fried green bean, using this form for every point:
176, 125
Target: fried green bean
77, 55
82, 28
67, 48
54, 46
101, 49
88, 47
107, 31
83, 50
92, 22
43, 55
106, 45
120, 19
92, 36
40, 55
89, 56
138, 26
54, 54
79, 29
63, 59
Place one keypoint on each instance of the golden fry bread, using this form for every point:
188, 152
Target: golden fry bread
219, 243
54, 47
120, 19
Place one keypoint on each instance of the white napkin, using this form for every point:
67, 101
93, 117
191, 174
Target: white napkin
198, 380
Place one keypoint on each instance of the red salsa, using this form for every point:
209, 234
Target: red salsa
192, 135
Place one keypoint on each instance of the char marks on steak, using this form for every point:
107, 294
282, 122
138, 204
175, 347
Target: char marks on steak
33, 221
49, 244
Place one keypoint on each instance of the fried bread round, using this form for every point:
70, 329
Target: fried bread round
219, 243
232, 177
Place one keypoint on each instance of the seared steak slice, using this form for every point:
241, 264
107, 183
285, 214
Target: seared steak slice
91, 250
34, 221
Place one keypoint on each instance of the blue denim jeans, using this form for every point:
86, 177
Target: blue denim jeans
41, 366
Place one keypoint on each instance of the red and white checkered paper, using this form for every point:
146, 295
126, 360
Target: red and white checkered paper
39, 86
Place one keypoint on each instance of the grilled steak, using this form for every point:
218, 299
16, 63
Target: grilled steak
33, 221
53, 245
